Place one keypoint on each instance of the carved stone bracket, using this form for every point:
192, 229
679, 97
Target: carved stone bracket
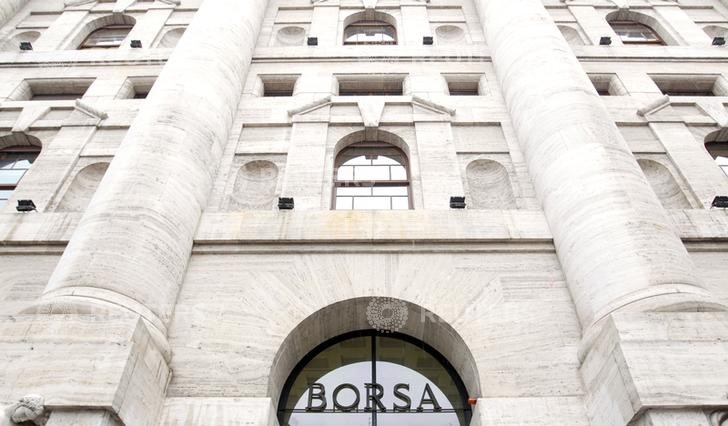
30, 408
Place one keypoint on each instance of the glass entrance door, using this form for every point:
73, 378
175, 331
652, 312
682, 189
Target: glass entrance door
367, 379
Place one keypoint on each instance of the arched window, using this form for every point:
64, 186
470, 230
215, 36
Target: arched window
108, 37
366, 378
631, 32
14, 162
371, 176
719, 152
370, 32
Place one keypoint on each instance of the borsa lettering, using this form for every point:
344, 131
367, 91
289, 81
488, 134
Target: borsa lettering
374, 392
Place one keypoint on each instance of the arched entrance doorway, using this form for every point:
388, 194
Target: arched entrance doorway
370, 378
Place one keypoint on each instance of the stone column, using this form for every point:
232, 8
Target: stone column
618, 249
8, 9
133, 244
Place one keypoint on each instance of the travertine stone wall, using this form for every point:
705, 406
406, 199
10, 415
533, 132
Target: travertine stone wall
257, 276
162, 174
8, 9
612, 236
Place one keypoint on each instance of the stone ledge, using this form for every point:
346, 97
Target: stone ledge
366, 226
381, 226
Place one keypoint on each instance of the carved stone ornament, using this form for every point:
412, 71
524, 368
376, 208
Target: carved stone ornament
30, 408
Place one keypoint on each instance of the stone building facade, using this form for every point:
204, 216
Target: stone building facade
156, 280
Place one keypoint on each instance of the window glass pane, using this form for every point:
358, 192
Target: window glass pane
400, 203
372, 203
345, 173
721, 160
10, 177
22, 164
110, 36
354, 190
391, 190
633, 32
5, 194
17, 160
385, 161
359, 160
399, 173
371, 173
344, 203
345, 362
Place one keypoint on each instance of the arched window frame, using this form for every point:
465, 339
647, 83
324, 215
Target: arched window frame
444, 362
117, 34
622, 26
370, 20
380, 28
381, 149
96, 23
14, 173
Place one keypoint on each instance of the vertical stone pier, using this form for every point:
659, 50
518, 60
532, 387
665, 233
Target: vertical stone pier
628, 272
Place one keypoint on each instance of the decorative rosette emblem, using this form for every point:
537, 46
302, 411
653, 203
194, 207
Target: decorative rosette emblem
387, 315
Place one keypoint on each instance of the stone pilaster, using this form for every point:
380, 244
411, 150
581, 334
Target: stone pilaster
8, 9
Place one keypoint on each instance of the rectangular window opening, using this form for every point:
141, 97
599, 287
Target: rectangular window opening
278, 85
141, 86
691, 85
607, 84
463, 84
370, 85
51, 89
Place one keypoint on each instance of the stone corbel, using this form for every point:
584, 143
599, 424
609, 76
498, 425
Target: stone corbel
654, 106
30, 409
371, 110
432, 106
91, 111
309, 106
369, 4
